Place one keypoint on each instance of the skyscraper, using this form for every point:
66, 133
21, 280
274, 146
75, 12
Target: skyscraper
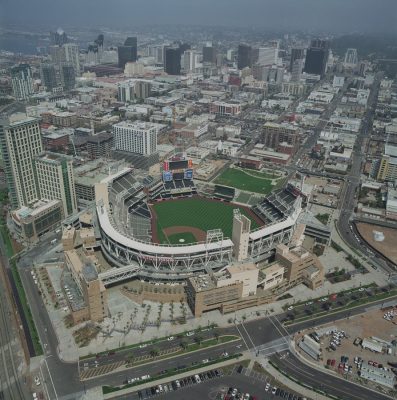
55, 179
20, 141
67, 76
128, 52
317, 57
172, 60
72, 56
190, 60
209, 54
21, 80
244, 56
48, 76
351, 58
267, 55
58, 38
296, 54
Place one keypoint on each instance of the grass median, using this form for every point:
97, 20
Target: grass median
148, 342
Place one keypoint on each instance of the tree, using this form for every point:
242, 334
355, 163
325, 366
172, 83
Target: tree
154, 352
198, 339
216, 335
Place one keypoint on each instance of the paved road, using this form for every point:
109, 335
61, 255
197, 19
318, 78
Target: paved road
323, 381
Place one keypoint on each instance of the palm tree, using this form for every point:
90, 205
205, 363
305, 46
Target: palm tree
216, 335
154, 352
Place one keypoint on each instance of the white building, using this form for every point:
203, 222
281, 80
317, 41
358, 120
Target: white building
72, 56
132, 69
351, 58
190, 60
22, 82
135, 137
56, 181
267, 55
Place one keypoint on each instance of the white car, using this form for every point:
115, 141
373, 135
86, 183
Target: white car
309, 303
35, 396
205, 361
197, 379
142, 346
267, 387
170, 338
290, 308
37, 380
274, 390
190, 334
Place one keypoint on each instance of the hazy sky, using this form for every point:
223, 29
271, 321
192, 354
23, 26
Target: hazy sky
329, 15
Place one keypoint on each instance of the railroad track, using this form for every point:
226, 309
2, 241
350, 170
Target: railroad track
10, 388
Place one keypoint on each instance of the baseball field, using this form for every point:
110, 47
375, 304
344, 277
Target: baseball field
187, 220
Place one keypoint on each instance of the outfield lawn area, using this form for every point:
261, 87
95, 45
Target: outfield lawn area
244, 180
196, 212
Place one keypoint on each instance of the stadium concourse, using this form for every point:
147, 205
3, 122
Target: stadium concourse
135, 218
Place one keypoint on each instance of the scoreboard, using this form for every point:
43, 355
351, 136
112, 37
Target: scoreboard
167, 176
173, 165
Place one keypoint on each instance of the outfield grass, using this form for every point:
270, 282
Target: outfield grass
244, 180
197, 212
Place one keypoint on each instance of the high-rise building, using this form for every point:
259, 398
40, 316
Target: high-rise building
68, 77
351, 59
172, 60
190, 60
128, 52
58, 38
133, 89
296, 54
267, 55
55, 179
209, 54
48, 76
244, 56
317, 57
22, 82
20, 140
296, 70
140, 138
72, 56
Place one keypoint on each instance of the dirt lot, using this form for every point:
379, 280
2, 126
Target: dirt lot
366, 325
388, 247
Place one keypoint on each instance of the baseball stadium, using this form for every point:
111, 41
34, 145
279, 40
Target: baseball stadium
166, 228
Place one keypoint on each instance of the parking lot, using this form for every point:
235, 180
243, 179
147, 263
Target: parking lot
237, 383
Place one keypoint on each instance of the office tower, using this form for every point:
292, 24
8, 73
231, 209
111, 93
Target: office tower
274, 134
296, 54
48, 76
72, 56
267, 55
68, 77
55, 180
244, 56
230, 54
140, 138
128, 52
20, 141
22, 82
58, 38
57, 54
296, 70
317, 57
209, 54
351, 58
190, 60
172, 60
